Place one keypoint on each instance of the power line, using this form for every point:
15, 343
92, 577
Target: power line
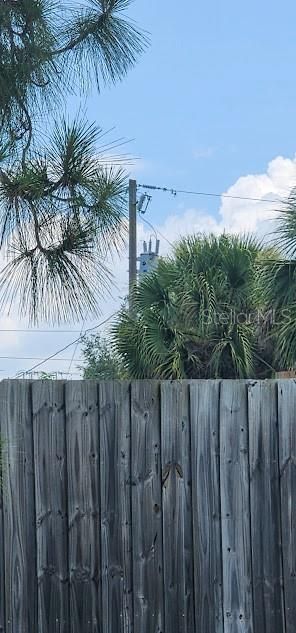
174, 192
37, 331
75, 348
33, 358
156, 231
45, 360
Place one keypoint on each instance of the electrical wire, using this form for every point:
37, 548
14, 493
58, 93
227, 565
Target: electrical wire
174, 192
157, 232
37, 331
195, 193
45, 360
76, 346
32, 358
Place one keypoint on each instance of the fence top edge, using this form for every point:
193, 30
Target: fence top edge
246, 381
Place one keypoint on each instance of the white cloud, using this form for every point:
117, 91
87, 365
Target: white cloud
238, 214
274, 185
178, 225
234, 216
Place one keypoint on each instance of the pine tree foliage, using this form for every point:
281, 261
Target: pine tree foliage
47, 48
61, 204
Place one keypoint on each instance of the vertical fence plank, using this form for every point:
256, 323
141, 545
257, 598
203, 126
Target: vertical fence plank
83, 505
19, 507
60, 465
235, 508
176, 504
146, 509
2, 545
51, 506
116, 507
204, 402
287, 459
265, 508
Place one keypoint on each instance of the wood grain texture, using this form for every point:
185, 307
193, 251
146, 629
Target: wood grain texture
2, 544
51, 506
82, 433
287, 463
127, 506
146, 509
265, 508
115, 445
204, 404
176, 508
235, 509
19, 507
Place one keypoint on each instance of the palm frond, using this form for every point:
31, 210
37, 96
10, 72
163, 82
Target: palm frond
284, 337
279, 280
285, 232
185, 312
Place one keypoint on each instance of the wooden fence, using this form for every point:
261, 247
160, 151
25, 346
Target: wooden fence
148, 507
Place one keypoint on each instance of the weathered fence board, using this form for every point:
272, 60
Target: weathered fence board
265, 508
287, 463
2, 546
146, 509
51, 506
204, 402
235, 509
116, 563
19, 508
82, 432
176, 508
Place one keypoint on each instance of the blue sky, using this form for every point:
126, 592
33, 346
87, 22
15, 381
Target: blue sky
211, 106
215, 96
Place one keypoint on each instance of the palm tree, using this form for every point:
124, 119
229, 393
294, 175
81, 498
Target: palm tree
62, 204
279, 280
196, 315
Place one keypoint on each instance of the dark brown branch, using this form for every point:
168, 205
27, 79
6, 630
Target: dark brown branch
83, 35
36, 232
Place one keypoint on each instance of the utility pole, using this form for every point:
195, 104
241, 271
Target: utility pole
132, 238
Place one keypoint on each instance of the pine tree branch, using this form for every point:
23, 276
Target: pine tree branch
90, 28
